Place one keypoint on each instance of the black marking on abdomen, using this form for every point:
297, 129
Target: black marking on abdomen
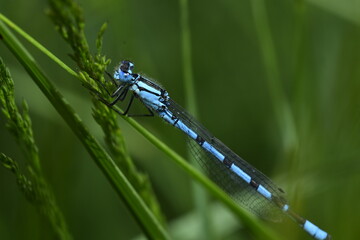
254, 184
199, 140
227, 162
279, 201
173, 117
296, 217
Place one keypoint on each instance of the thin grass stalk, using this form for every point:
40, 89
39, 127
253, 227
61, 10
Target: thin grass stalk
199, 195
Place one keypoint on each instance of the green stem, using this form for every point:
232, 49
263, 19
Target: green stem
186, 58
200, 196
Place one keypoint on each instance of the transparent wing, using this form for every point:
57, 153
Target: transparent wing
239, 190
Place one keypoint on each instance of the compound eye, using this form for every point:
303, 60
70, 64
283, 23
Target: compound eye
126, 66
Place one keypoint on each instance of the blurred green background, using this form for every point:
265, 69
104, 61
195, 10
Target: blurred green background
316, 46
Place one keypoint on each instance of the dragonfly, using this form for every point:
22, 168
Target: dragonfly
244, 183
